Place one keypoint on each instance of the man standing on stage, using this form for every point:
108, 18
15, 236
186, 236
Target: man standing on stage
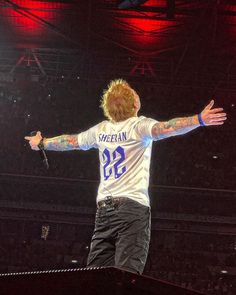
122, 226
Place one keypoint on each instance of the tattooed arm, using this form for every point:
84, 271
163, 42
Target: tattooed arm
59, 143
178, 126
174, 127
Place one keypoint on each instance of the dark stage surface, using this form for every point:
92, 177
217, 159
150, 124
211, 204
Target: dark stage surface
92, 281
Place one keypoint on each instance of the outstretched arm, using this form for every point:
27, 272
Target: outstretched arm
59, 143
178, 126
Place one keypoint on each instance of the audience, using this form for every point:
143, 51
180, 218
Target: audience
178, 254
194, 160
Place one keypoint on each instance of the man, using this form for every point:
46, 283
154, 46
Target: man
122, 225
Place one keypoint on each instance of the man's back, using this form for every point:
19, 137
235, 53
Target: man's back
124, 153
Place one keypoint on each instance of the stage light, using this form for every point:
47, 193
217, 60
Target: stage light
131, 4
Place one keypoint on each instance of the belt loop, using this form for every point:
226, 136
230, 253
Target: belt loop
109, 200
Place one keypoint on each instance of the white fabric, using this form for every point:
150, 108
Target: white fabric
124, 153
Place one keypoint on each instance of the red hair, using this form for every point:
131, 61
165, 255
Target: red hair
118, 101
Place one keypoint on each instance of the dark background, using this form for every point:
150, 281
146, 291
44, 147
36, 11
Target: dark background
56, 57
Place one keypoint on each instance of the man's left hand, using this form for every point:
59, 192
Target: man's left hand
213, 116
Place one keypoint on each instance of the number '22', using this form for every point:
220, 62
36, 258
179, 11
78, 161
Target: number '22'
119, 155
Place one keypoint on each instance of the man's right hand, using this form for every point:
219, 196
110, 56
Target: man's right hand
34, 140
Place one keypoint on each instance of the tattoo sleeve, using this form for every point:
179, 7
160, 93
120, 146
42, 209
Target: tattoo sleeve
61, 143
175, 127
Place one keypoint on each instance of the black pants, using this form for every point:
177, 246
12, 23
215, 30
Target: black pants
121, 236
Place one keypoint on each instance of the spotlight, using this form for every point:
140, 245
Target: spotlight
131, 4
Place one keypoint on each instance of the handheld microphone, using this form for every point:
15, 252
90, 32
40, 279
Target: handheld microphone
42, 152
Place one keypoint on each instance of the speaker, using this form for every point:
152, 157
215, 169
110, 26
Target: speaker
86, 281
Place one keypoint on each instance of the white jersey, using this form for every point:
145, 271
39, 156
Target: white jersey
124, 153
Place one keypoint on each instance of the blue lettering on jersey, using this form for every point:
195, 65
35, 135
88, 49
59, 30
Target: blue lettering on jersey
107, 159
118, 168
117, 137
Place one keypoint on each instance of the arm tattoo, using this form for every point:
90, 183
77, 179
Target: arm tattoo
61, 143
174, 127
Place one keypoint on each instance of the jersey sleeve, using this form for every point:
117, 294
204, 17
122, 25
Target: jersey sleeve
87, 139
144, 128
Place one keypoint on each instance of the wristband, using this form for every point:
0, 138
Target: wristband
200, 120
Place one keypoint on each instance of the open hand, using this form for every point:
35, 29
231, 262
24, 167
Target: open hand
34, 140
213, 116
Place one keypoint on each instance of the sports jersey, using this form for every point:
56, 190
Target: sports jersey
124, 154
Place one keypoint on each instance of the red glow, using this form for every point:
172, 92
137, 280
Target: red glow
25, 20
227, 23
155, 3
145, 31
148, 25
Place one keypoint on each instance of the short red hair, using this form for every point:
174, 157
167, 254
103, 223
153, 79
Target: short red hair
118, 101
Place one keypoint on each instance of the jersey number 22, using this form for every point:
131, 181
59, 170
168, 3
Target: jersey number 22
118, 156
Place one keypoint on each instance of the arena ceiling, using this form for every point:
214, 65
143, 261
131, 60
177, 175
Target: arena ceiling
159, 36
156, 26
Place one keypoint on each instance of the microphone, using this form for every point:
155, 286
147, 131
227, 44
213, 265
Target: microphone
42, 152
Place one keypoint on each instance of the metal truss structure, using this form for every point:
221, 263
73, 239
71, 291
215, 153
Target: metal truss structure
214, 73
170, 43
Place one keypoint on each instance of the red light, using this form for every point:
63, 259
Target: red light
148, 26
144, 31
25, 19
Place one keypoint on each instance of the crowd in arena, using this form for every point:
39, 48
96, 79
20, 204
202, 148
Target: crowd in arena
191, 260
194, 160
194, 260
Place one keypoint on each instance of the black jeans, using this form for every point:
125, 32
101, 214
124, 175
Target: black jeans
121, 236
